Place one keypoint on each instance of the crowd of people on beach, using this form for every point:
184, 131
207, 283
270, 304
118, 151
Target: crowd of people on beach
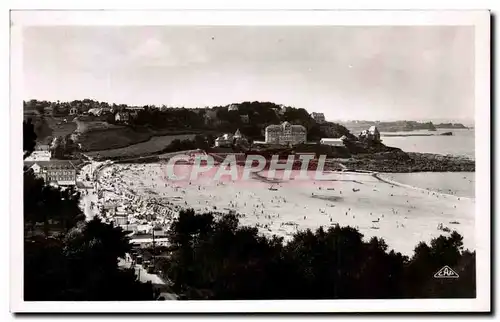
144, 193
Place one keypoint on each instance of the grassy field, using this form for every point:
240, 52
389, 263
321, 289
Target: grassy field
112, 138
48, 127
155, 144
87, 125
98, 136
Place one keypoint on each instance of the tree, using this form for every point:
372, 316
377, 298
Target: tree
213, 257
40, 109
81, 266
43, 203
29, 137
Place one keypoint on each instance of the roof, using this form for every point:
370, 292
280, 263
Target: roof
278, 128
95, 110
52, 164
331, 141
39, 156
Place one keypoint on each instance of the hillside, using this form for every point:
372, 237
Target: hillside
451, 126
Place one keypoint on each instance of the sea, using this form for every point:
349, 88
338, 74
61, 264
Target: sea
461, 143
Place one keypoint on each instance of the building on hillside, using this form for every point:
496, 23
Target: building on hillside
332, 142
122, 117
60, 172
107, 110
134, 111
233, 107
95, 111
73, 111
374, 133
39, 156
225, 140
245, 119
318, 117
120, 219
239, 139
134, 108
371, 134
285, 133
47, 110
42, 147
159, 231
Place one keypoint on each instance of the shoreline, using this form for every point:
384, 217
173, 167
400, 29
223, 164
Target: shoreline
349, 199
377, 175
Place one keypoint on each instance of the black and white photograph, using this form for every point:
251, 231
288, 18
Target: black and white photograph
171, 160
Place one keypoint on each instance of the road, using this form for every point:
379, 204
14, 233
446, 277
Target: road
145, 277
88, 196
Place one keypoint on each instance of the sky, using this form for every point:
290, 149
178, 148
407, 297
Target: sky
366, 72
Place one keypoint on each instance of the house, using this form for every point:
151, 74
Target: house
122, 117
42, 147
47, 110
225, 140
159, 232
371, 134
60, 172
39, 156
134, 111
232, 107
120, 219
285, 133
95, 111
245, 119
332, 142
318, 117
106, 110
374, 133
73, 111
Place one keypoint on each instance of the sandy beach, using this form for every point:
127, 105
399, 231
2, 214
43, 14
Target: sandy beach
403, 216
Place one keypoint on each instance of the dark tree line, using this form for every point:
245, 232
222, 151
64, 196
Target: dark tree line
46, 204
216, 258
81, 265
71, 259
29, 137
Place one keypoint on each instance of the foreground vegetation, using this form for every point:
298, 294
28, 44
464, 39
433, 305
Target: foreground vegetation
213, 257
